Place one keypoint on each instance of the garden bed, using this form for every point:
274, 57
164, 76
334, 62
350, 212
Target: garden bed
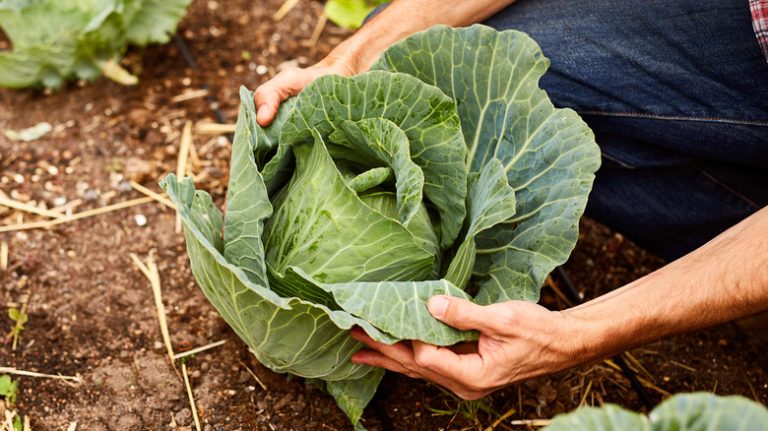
91, 311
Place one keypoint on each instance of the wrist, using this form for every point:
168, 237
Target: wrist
610, 325
353, 56
582, 339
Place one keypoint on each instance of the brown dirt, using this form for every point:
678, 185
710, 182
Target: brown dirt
91, 311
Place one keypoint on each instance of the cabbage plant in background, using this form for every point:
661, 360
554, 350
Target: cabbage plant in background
57, 40
684, 412
443, 170
350, 13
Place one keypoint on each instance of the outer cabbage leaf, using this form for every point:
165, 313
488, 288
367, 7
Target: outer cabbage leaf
153, 21
549, 154
685, 412
607, 418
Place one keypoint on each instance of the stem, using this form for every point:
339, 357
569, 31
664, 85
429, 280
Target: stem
114, 71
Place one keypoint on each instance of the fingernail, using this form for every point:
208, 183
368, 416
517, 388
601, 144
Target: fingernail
437, 305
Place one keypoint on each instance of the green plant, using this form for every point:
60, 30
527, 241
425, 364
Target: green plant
350, 13
56, 40
8, 388
469, 410
684, 412
443, 170
20, 318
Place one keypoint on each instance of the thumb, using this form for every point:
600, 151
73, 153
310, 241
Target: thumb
460, 313
267, 99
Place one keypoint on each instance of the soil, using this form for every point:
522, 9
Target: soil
91, 312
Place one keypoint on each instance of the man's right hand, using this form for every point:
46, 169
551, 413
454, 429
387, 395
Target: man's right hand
290, 82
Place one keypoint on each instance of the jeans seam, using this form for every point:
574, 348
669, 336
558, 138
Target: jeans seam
735, 193
649, 116
618, 161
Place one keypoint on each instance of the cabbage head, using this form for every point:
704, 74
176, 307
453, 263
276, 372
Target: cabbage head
443, 170
56, 40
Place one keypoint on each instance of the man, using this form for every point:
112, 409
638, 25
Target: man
677, 94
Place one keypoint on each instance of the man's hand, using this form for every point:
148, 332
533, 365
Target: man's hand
518, 340
290, 82
723, 280
356, 54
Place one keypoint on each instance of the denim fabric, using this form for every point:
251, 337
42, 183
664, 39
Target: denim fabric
676, 92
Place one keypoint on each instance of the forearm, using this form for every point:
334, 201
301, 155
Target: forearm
403, 18
725, 279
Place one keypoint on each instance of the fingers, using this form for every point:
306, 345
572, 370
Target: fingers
462, 374
376, 359
465, 369
399, 352
463, 314
285, 84
268, 98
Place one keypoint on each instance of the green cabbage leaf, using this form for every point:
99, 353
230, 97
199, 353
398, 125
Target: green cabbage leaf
684, 412
443, 170
57, 40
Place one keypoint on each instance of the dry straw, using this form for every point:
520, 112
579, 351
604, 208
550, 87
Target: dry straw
150, 271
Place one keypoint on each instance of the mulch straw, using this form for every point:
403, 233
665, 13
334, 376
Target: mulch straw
156, 196
46, 224
3, 255
284, 9
191, 397
150, 271
199, 349
15, 371
181, 162
29, 208
214, 128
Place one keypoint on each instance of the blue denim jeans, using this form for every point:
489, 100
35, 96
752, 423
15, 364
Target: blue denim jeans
676, 92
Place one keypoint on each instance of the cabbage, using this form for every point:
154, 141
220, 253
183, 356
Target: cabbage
699, 411
55, 40
443, 170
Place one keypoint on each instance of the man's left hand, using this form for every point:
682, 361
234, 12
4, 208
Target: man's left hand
518, 340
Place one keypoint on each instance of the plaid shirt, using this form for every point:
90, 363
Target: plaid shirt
760, 22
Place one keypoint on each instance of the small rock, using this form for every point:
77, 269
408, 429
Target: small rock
287, 398
91, 195
138, 170
184, 417
141, 220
